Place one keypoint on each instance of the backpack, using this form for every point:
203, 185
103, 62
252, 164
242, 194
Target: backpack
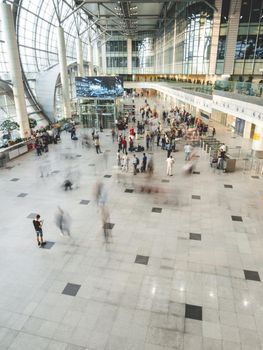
137, 161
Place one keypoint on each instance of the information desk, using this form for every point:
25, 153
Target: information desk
14, 151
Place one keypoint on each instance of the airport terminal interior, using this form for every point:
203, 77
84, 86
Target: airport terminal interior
131, 161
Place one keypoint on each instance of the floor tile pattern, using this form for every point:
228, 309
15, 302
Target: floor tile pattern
48, 245
228, 186
236, 218
157, 210
251, 275
195, 236
22, 195
194, 312
15, 179
196, 197
84, 202
191, 295
129, 190
141, 259
71, 289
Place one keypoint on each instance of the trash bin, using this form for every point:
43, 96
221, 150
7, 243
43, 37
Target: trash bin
230, 166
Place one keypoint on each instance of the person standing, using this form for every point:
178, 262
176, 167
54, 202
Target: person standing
73, 132
124, 145
118, 158
169, 149
158, 137
135, 163
147, 141
120, 142
187, 151
214, 132
37, 223
97, 144
113, 133
125, 162
170, 163
144, 163
163, 142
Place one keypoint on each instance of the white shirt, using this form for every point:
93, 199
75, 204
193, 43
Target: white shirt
187, 148
170, 161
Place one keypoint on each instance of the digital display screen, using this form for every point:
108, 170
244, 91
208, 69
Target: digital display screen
99, 87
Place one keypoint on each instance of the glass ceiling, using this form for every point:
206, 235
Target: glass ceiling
36, 23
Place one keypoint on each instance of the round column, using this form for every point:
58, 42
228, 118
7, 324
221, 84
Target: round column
63, 72
91, 71
15, 68
80, 57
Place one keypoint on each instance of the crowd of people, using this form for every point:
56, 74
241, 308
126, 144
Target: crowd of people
136, 138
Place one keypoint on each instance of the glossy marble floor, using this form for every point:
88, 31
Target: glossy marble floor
183, 268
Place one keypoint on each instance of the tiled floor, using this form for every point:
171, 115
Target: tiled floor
182, 293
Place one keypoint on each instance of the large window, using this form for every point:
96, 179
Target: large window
116, 46
249, 45
225, 11
221, 47
36, 29
116, 62
135, 62
251, 11
259, 49
245, 46
136, 45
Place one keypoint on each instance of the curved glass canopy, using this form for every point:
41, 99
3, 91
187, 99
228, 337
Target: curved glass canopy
36, 23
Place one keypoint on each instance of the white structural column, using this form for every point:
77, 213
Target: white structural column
174, 44
215, 37
91, 67
96, 57
103, 56
15, 68
163, 50
63, 72
80, 57
156, 55
129, 55
231, 39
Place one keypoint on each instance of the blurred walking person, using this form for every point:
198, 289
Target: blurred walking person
187, 151
170, 163
97, 144
63, 222
101, 197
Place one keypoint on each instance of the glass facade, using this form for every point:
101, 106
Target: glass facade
116, 46
187, 50
249, 42
116, 54
221, 47
142, 52
179, 45
36, 28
